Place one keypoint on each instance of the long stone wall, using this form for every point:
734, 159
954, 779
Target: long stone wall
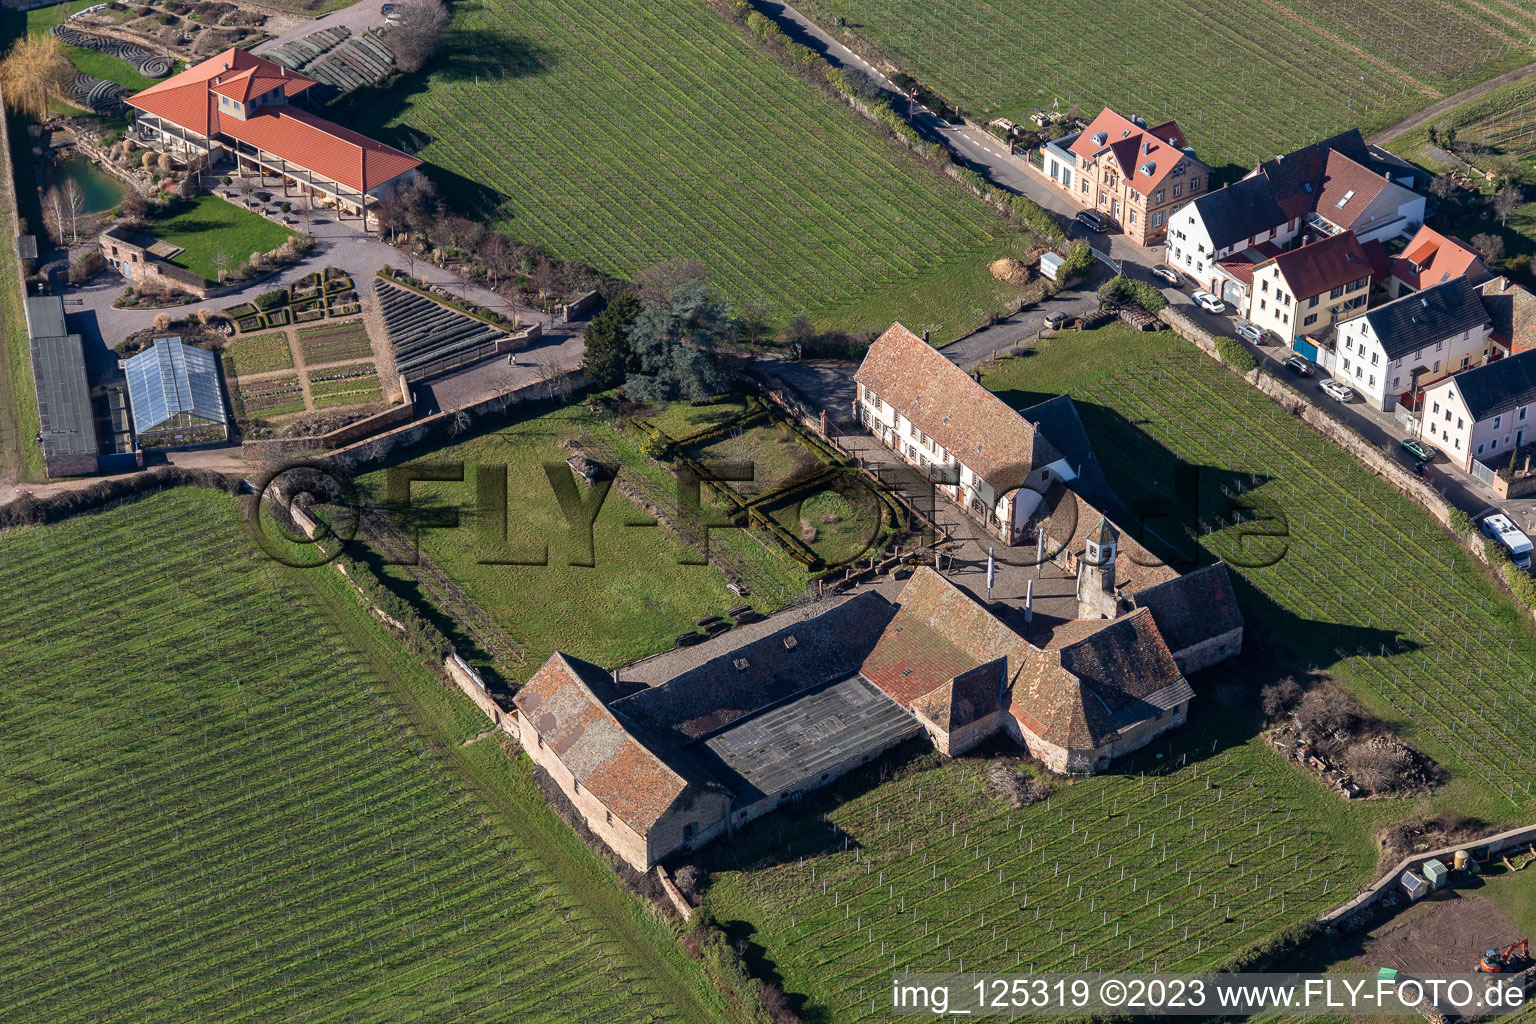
1356, 911
1335, 430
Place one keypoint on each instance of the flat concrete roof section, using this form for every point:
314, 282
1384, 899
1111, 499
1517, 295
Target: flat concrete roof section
796, 742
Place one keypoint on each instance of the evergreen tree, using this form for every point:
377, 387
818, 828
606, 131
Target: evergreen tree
673, 341
609, 358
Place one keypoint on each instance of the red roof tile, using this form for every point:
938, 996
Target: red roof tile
1432, 258
1513, 312
338, 153
601, 754
1134, 148
1346, 189
297, 136
1322, 266
942, 401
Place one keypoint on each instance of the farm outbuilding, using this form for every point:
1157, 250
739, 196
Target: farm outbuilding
66, 424
175, 396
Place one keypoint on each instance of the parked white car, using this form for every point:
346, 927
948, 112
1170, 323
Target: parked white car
1209, 302
1337, 390
1168, 274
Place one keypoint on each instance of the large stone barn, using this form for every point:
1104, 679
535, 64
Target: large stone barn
682, 763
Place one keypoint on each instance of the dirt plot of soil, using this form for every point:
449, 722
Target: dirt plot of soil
1445, 934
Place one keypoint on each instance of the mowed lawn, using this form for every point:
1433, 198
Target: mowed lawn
1363, 584
628, 133
228, 812
208, 227
1256, 78
632, 602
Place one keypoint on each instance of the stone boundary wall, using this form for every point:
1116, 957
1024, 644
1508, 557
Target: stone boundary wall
674, 894
1335, 430
373, 452
1353, 913
473, 686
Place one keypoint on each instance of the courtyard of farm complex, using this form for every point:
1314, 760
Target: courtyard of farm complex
829, 512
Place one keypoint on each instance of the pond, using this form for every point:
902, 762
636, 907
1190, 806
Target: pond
101, 190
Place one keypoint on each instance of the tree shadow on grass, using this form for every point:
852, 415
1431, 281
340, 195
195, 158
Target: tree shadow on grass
762, 967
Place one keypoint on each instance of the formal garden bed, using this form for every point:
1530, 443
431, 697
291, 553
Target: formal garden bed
317, 296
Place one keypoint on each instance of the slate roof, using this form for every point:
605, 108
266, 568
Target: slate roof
1145, 156
1058, 420
1498, 386
1296, 177
190, 99
1238, 212
1194, 608
706, 699
604, 756
1512, 309
942, 401
789, 745
1423, 318
1322, 266
65, 420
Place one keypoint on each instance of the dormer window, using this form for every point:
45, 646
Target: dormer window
1099, 138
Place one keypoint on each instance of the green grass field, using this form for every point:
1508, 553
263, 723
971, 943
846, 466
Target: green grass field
1259, 77
630, 603
257, 353
208, 226
1494, 132
1160, 865
652, 131
247, 805
1367, 587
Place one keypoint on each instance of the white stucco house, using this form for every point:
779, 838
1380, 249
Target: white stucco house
1411, 342
981, 454
1485, 413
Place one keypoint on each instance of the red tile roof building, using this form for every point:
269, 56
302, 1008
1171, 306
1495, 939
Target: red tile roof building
1134, 175
240, 105
1512, 308
1303, 292
1432, 258
979, 452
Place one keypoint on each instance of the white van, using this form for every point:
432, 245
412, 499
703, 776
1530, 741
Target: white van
1499, 527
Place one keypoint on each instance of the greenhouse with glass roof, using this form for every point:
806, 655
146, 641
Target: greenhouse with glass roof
174, 395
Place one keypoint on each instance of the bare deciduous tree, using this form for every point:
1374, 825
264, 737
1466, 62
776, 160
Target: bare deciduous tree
1490, 245
74, 206
415, 37
1509, 199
